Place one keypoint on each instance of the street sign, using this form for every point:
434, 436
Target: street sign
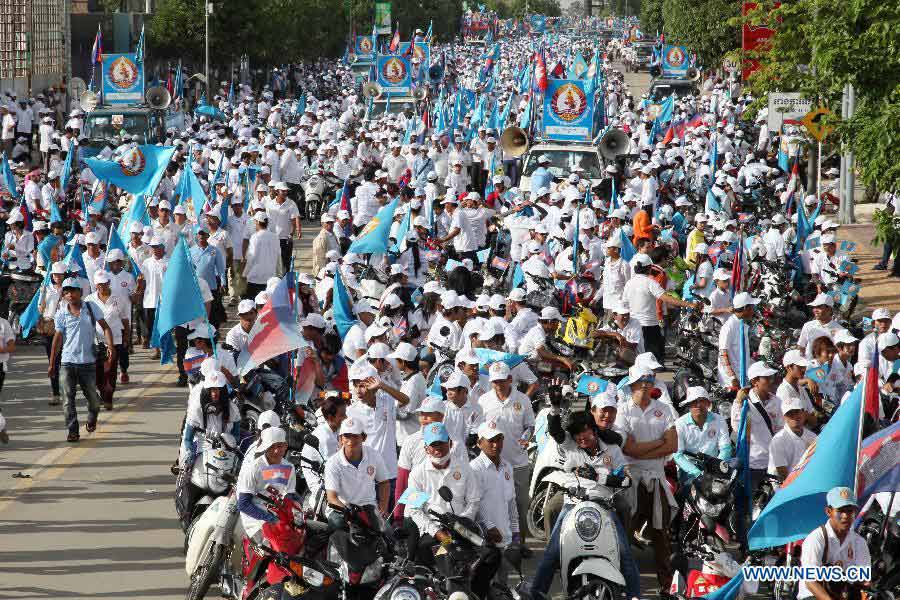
786, 108
813, 121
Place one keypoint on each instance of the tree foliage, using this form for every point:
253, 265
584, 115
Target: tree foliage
651, 15
703, 26
819, 47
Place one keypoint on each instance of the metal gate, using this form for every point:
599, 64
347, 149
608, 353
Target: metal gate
33, 43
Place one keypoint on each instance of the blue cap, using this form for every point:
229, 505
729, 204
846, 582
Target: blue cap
840, 497
71, 282
435, 432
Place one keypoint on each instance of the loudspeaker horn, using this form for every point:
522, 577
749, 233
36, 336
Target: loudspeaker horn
614, 143
514, 141
88, 100
420, 93
435, 73
654, 71
693, 74
158, 98
371, 89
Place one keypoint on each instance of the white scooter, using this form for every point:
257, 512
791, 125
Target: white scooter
590, 557
213, 532
548, 460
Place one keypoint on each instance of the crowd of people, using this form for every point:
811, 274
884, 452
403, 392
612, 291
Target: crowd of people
471, 254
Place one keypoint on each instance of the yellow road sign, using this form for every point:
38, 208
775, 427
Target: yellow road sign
813, 121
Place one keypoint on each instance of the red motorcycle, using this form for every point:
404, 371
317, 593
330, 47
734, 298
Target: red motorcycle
281, 568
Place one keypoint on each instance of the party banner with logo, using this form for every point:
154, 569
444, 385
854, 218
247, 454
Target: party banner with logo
365, 49
675, 61
568, 110
393, 75
422, 51
383, 17
123, 79
538, 23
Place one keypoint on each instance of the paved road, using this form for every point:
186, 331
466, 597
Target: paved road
96, 519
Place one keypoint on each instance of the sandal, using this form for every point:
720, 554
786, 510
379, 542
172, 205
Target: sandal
91, 427
73, 437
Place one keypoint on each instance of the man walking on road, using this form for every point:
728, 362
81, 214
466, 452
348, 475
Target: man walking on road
76, 337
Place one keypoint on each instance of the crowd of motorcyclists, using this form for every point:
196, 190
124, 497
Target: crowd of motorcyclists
503, 377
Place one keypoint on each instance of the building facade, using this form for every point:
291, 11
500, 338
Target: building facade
34, 45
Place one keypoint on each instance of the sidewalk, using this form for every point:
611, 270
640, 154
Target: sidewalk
877, 290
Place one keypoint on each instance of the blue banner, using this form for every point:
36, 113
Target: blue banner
675, 61
393, 73
568, 110
365, 49
422, 51
538, 23
123, 79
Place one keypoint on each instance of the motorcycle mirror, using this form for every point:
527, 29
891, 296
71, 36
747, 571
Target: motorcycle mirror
311, 440
445, 493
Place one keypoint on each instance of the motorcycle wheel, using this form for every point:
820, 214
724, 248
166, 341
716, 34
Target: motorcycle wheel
205, 574
248, 423
313, 210
785, 590
534, 519
680, 385
597, 589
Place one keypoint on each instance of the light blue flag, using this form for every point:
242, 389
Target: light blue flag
402, 230
714, 160
56, 215
373, 239
413, 498
342, 309
9, 180
591, 385
518, 276
190, 190
138, 171
712, 202
666, 108
139, 51
797, 507
67, 167
783, 161
29, 318
628, 250
45, 248
74, 260
744, 494
179, 300
487, 357
136, 213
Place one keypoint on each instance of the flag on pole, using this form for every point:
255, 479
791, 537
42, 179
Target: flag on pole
275, 331
9, 180
139, 51
373, 239
342, 308
138, 171
97, 48
395, 41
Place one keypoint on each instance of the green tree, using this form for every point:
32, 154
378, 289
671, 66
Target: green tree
819, 47
651, 14
703, 26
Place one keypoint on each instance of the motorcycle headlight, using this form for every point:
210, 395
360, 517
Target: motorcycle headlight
313, 577
372, 572
405, 592
587, 524
710, 509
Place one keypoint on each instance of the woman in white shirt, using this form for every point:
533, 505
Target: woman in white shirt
116, 314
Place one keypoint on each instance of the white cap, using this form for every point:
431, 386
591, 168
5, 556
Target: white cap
361, 370
822, 300
550, 313
759, 369
91, 238
268, 417
516, 295
271, 436
245, 306
647, 360
214, 379
457, 379
432, 404
778, 219
59, 268
404, 351
498, 371
641, 259
743, 299
101, 276
845, 337
794, 357
886, 340
695, 392
314, 320
363, 306
722, 275
605, 399
379, 350
350, 426
701, 248
468, 357
881, 313
486, 432
791, 402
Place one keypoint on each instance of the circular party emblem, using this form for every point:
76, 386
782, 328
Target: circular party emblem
123, 73
133, 163
675, 57
657, 413
370, 470
457, 475
593, 387
393, 70
569, 102
365, 45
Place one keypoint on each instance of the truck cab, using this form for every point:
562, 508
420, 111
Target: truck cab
564, 157
105, 123
397, 104
663, 87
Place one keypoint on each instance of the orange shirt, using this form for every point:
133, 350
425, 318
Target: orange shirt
642, 226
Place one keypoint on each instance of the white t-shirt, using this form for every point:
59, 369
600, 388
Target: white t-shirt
6, 336
281, 217
853, 551
258, 477
513, 416
153, 270
640, 294
380, 427
407, 422
355, 484
787, 447
263, 256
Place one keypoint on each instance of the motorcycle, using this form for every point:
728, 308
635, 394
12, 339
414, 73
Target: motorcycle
589, 549
281, 567
466, 551
696, 355
882, 535
407, 581
361, 552
17, 288
318, 191
707, 516
716, 570
214, 471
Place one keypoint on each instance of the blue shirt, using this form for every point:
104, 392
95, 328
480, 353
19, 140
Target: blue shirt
209, 264
78, 332
540, 178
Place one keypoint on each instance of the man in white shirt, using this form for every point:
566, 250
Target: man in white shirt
533, 344
789, 444
510, 411
834, 543
824, 323
262, 258
284, 221
764, 419
734, 334
152, 271
497, 512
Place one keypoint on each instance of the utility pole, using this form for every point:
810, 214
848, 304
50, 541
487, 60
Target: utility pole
847, 182
207, 10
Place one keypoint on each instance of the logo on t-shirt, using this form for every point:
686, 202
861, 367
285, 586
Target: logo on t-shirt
517, 407
657, 413
457, 475
711, 433
371, 470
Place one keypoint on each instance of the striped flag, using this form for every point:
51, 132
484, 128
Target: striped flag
97, 49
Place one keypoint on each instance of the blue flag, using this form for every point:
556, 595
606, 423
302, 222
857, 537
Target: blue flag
74, 261
137, 213
115, 241
45, 248
138, 171
29, 318
55, 215
628, 251
9, 180
373, 239
414, 498
518, 276
730, 590
179, 300
666, 108
67, 167
487, 357
341, 307
742, 452
190, 191
797, 507
591, 385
